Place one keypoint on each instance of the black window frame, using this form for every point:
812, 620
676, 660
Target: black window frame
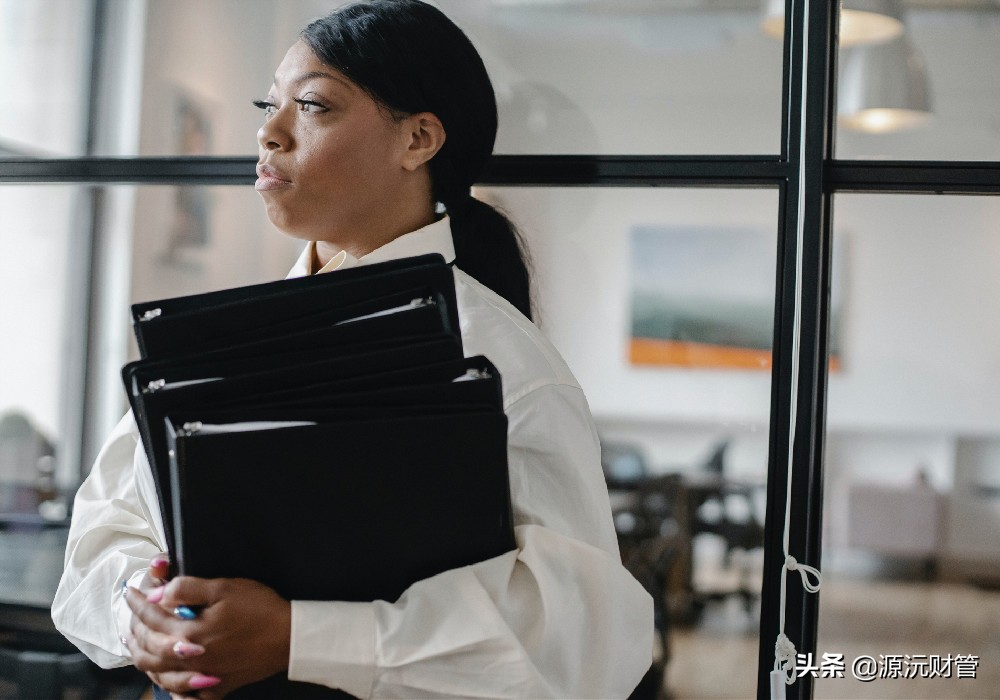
806, 175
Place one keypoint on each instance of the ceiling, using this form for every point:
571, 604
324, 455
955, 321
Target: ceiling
720, 5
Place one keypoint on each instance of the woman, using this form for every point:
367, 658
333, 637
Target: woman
379, 120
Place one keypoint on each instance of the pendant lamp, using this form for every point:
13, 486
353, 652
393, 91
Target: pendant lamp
883, 88
861, 21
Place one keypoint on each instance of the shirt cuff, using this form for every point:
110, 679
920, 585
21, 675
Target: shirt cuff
333, 644
123, 613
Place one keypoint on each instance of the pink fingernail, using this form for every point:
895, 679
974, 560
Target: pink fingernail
186, 649
155, 595
201, 682
159, 562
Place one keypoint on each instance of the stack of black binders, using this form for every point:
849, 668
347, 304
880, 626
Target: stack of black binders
322, 435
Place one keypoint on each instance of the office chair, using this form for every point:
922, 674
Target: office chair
727, 509
649, 521
654, 543
624, 465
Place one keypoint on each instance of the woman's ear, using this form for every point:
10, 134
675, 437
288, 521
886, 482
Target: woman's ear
425, 135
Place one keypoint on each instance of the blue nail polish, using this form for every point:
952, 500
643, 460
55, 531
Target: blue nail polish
185, 613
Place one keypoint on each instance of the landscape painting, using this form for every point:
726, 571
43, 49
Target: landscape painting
704, 297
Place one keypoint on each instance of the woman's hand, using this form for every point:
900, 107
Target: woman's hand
241, 634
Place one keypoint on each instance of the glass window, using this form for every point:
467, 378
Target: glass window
596, 77
912, 524
42, 236
44, 48
199, 77
156, 242
629, 77
662, 302
929, 93
196, 238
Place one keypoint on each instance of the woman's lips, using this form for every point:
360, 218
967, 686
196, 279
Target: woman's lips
269, 179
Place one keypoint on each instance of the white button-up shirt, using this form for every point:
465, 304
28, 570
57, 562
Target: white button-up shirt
557, 617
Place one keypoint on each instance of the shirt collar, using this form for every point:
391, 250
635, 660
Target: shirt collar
433, 238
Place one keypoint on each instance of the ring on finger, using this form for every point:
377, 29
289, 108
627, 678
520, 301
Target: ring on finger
184, 612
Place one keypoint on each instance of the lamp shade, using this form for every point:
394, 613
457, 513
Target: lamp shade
883, 88
861, 21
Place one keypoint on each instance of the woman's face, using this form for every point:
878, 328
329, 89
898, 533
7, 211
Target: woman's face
330, 158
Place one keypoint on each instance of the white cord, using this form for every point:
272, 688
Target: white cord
784, 649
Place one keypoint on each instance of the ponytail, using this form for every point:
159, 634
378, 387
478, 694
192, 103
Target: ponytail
489, 247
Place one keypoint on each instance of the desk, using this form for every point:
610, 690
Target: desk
661, 514
31, 552
33, 655
31, 562
35, 659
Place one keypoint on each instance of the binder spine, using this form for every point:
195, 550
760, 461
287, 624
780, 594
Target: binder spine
176, 453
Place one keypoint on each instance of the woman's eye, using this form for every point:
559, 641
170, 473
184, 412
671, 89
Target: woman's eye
269, 107
310, 106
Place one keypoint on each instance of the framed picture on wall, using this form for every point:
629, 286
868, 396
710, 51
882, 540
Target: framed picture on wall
703, 297
189, 230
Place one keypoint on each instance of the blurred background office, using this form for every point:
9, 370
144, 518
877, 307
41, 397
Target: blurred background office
661, 300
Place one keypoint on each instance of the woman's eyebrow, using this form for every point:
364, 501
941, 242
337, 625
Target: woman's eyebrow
311, 75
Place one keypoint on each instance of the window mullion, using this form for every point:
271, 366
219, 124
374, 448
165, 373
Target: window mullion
800, 341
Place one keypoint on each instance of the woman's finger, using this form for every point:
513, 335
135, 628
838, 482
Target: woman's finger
156, 574
155, 678
152, 616
170, 650
190, 591
187, 650
159, 568
185, 683
148, 655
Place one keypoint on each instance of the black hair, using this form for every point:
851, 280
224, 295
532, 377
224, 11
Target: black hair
409, 57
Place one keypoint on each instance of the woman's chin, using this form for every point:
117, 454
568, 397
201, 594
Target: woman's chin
286, 224
294, 233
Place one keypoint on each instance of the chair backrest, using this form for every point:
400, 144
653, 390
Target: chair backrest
624, 464
715, 462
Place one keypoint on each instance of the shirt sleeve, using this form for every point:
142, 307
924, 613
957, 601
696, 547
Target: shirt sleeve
113, 535
557, 617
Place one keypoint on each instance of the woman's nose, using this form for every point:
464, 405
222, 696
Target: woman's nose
272, 136
264, 141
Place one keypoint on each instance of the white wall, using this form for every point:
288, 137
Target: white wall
921, 349
579, 239
573, 78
